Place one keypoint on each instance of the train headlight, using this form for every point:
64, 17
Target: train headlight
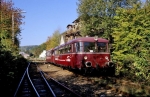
85, 57
106, 58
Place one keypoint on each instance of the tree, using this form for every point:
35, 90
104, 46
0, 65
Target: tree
131, 40
96, 16
54, 40
36, 51
6, 11
48, 42
51, 42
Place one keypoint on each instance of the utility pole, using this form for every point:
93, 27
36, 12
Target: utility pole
13, 33
1, 19
12, 27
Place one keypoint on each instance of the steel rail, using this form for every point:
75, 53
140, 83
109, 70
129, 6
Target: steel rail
21, 81
48, 85
46, 82
23, 77
64, 86
32, 84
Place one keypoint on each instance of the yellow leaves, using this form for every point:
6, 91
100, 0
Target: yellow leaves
125, 24
54, 40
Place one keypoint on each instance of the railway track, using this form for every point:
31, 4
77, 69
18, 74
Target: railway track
34, 84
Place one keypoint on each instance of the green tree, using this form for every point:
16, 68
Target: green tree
131, 40
54, 40
36, 51
96, 16
6, 11
48, 42
51, 42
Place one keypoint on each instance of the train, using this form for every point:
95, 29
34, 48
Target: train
86, 54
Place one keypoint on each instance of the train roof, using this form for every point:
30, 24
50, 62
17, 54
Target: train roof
50, 50
84, 39
88, 39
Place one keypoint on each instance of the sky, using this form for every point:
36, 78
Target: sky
43, 18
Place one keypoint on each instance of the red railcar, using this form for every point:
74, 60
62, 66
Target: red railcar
84, 53
49, 56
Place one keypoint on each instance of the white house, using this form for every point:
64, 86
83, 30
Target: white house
62, 40
43, 54
24, 54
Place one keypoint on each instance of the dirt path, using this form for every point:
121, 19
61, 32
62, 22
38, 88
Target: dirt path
55, 72
93, 86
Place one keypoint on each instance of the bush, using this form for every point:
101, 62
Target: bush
11, 70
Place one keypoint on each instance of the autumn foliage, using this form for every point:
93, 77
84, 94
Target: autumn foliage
6, 12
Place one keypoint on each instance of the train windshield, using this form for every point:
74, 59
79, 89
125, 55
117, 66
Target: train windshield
95, 47
102, 47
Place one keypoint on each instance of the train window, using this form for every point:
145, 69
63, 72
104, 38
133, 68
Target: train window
102, 47
47, 53
69, 48
78, 46
56, 52
65, 49
62, 50
52, 52
89, 47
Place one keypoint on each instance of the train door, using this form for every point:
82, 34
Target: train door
56, 56
77, 55
52, 57
68, 55
62, 56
